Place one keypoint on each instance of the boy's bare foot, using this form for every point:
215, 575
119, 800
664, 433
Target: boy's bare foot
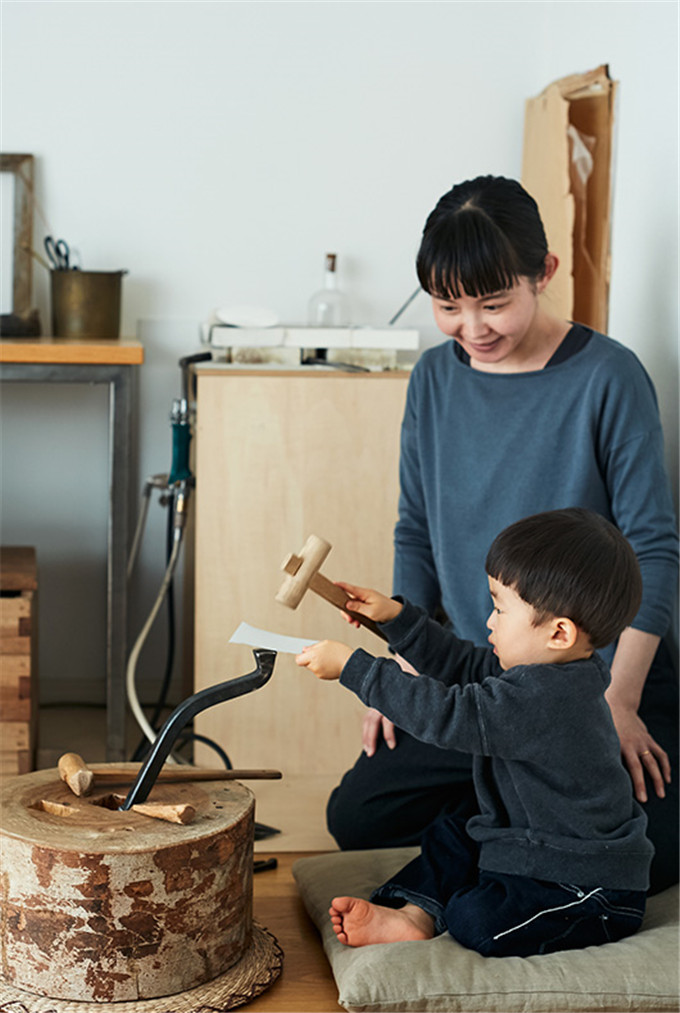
357, 922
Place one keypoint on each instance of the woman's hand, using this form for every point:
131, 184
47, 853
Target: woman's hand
369, 603
641, 753
373, 727
325, 659
376, 724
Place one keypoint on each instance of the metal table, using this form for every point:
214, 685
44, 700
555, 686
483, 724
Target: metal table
61, 360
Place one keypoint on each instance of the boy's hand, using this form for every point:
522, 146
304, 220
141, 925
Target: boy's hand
369, 603
325, 659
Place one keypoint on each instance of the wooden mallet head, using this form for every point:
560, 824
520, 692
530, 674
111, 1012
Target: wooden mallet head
300, 571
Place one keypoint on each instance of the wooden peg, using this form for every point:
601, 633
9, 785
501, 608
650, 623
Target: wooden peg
57, 808
183, 813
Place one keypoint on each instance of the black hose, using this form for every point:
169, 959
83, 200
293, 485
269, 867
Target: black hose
195, 737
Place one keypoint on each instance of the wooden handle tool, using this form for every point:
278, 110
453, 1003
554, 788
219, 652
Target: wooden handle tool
302, 574
326, 589
80, 778
122, 775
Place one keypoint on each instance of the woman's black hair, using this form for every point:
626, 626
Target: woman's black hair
571, 563
482, 236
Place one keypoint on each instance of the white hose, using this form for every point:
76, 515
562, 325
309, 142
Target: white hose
133, 700
139, 531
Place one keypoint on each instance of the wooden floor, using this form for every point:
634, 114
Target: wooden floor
306, 984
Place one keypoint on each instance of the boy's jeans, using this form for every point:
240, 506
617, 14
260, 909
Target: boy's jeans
501, 915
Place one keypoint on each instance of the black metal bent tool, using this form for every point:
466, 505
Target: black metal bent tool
187, 710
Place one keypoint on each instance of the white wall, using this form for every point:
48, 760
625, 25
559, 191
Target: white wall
217, 150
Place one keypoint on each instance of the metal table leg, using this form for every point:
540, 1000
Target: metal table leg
120, 413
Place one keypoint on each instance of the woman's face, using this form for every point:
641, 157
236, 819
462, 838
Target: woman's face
495, 330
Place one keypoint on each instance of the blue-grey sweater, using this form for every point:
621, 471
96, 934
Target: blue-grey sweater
555, 800
481, 450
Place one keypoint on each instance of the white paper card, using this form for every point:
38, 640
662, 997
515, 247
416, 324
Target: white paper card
247, 634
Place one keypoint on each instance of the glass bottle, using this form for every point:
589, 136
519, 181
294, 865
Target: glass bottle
329, 307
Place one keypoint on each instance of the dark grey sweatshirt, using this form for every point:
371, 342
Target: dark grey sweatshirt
556, 802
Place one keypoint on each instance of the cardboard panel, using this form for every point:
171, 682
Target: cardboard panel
567, 168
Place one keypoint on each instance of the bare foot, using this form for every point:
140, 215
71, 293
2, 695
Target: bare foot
357, 922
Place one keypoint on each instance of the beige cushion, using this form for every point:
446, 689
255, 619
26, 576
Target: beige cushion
638, 973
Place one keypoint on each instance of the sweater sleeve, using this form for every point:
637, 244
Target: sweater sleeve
631, 456
435, 651
415, 572
488, 718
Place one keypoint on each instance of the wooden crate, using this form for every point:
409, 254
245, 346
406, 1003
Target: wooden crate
18, 660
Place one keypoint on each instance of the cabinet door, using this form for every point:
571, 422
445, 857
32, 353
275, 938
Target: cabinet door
280, 457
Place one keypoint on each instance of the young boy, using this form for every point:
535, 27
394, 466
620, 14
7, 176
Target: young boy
557, 857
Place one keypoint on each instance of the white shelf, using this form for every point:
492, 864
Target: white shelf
394, 338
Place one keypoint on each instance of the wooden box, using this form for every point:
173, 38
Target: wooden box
18, 660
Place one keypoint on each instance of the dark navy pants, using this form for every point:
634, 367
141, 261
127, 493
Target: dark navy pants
500, 915
388, 800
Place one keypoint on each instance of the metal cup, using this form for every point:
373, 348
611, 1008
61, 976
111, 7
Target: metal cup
86, 304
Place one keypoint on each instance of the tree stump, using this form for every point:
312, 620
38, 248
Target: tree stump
106, 906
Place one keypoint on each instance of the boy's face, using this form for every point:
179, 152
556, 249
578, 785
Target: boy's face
515, 638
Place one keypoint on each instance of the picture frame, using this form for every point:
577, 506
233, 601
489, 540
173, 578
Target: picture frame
17, 229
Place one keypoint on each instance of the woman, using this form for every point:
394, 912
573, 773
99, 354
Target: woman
521, 412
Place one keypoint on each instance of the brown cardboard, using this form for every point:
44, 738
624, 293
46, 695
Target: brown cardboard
571, 116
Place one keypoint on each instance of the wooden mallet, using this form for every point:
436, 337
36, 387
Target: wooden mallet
82, 778
302, 573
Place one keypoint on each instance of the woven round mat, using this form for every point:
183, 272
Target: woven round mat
257, 969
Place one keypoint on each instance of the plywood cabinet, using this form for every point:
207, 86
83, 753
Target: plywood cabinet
280, 456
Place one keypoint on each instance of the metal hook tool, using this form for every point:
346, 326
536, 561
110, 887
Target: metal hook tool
187, 710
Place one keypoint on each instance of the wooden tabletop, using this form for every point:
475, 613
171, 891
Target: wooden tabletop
72, 351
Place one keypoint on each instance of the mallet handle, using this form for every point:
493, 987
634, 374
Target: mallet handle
125, 775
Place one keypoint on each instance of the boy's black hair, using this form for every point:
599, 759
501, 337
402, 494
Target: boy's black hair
482, 236
571, 563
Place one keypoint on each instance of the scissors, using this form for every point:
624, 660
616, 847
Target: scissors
58, 253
